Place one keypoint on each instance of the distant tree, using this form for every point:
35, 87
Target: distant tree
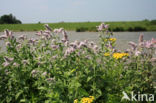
39, 22
9, 19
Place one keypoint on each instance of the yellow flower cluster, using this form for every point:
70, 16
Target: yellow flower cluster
120, 55
85, 99
112, 39
117, 55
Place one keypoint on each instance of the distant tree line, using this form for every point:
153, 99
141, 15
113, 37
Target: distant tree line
9, 19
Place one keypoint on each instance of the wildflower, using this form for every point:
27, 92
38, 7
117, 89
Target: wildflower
65, 36
95, 48
54, 57
7, 59
25, 61
91, 43
15, 64
6, 63
107, 54
153, 41
22, 37
66, 43
69, 51
101, 27
2, 37
51, 79
148, 44
133, 45
76, 101
137, 53
87, 99
43, 37
19, 46
6, 35
39, 33
140, 38
88, 57
119, 55
44, 74
82, 44
60, 30
56, 30
34, 72
112, 39
53, 41
8, 44
47, 34
74, 44
55, 46
47, 27
106, 26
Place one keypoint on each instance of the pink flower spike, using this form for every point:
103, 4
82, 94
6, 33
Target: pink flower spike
153, 41
56, 31
8, 44
148, 44
2, 37
5, 64
141, 38
7, 59
101, 27
6, 32
60, 30
106, 26
39, 33
137, 53
15, 64
47, 27
133, 45
22, 37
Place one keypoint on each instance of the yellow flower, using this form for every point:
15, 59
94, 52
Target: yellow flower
112, 39
75, 101
107, 54
87, 99
120, 55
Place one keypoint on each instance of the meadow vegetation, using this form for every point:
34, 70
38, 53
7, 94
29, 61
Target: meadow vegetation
51, 69
85, 26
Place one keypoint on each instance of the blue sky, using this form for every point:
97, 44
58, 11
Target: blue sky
33, 11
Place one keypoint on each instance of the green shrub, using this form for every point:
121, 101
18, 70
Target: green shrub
118, 29
81, 29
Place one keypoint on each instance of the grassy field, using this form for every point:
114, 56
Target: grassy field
85, 26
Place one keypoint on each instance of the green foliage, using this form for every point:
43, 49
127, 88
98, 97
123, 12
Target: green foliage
50, 71
153, 22
84, 26
9, 19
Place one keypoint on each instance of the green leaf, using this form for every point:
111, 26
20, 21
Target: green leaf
18, 94
89, 78
42, 88
83, 92
23, 100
